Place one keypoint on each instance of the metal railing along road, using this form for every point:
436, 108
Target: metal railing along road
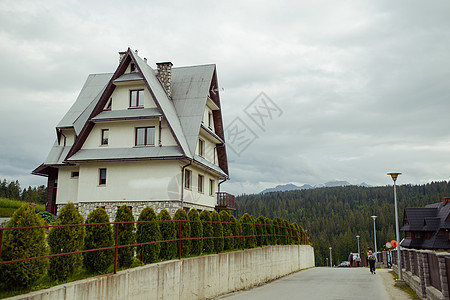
286, 239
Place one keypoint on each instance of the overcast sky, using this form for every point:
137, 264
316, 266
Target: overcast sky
351, 89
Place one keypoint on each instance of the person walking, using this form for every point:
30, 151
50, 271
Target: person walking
372, 259
358, 261
350, 259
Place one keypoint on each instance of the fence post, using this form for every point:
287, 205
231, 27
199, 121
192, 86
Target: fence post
443, 274
243, 238
179, 240
116, 248
217, 237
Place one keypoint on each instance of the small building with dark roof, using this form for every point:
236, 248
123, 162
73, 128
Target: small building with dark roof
427, 227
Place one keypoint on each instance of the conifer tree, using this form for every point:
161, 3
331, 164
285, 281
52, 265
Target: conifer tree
208, 233
183, 229
148, 232
168, 232
126, 236
196, 232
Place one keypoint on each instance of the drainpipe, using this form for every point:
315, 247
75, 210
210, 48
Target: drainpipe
218, 190
159, 135
182, 183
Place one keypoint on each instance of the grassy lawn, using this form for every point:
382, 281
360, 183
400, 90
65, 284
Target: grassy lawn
405, 287
7, 206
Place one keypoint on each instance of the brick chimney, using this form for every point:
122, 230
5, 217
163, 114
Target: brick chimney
164, 75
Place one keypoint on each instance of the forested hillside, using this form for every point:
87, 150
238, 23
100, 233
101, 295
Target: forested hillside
333, 216
12, 190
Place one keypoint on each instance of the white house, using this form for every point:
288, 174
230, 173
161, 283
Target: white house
141, 137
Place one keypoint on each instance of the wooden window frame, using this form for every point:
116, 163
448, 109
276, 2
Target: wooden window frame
211, 187
101, 180
201, 147
103, 141
139, 102
200, 183
145, 144
210, 120
187, 179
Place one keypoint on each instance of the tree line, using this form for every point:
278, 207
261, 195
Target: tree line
334, 216
12, 190
160, 236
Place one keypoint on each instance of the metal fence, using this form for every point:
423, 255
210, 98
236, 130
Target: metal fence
274, 234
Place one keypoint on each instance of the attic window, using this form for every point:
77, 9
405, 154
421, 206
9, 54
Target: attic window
201, 147
137, 98
132, 67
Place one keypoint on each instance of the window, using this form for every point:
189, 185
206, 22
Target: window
187, 179
145, 136
200, 183
132, 67
137, 98
75, 174
201, 147
102, 177
105, 135
211, 187
210, 120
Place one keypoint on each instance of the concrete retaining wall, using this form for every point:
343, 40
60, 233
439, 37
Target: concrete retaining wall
191, 278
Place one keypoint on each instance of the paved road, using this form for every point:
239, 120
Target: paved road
319, 283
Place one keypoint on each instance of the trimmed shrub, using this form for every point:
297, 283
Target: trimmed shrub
248, 226
218, 230
196, 232
208, 244
269, 239
48, 217
260, 231
279, 231
23, 243
185, 231
126, 236
98, 236
237, 232
167, 227
225, 218
64, 240
148, 232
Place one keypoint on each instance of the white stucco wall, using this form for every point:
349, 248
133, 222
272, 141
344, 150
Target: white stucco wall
122, 134
121, 96
193, 196
67, 189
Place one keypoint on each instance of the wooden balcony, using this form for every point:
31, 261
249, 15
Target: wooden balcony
225, 201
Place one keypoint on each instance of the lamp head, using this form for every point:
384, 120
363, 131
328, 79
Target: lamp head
357, 236
374, 217
394, 175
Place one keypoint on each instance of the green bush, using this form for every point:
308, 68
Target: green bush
167, 227
269, 240
196, 232
64, 240
98, 236
48, 217
248, 226
237, 232
225, 218
208, 242
23, 243
279, 231
148, 232
260, 230
185, 231
218, 230
126, 236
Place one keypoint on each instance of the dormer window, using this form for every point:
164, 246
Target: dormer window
201, 147
108, 105
132, 67
136, 98
105, 136
210, 120
145, 136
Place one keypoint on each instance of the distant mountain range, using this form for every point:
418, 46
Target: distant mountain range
291, 187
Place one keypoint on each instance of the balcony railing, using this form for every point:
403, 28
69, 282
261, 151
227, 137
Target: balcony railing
225, 201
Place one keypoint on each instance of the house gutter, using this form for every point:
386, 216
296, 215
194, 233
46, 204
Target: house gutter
182, 183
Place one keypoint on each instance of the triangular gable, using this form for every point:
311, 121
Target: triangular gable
163, 102
159, 95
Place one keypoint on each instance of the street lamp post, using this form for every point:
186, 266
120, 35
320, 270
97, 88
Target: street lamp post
374, 233
359, 254
331, 258
397, 232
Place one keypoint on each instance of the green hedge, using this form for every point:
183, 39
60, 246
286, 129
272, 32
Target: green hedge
196, 232
168, 249
66, 239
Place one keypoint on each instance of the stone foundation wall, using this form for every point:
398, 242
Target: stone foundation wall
86, 208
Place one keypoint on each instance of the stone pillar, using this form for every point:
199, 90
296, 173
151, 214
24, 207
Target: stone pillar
165, 76
443, 274
421, 268
426, 268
